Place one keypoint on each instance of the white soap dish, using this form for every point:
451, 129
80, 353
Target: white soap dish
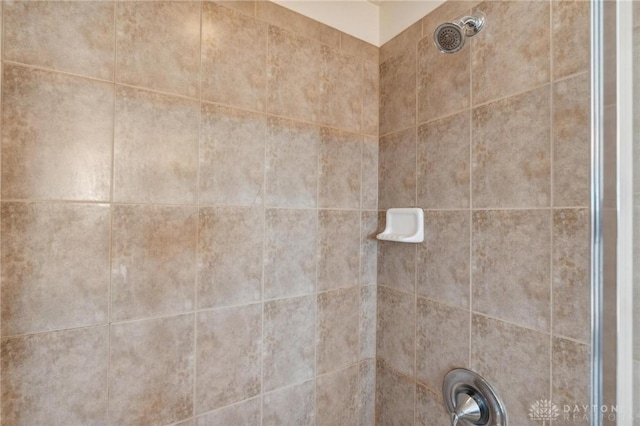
404, 226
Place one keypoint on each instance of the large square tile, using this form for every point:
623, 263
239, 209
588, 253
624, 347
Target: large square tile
56, 378
396, 329
289, 336
397, 170
340, 166
293, 75
290, 253
443, 162
234, 58
338, 249
228, 358
156, 148
511, 255
158, 45
516, 361
338, 329
75, 37
151, 371
443, 258
572, 142
153, 261
55, 266
230, 256
511, 158
504, 61
341, 90
57, 136
232, 151
291, 164
572, 274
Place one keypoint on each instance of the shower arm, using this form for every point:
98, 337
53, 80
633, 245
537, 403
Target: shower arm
472, 24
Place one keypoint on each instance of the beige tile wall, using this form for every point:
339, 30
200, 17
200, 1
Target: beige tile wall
189, 199
493, 142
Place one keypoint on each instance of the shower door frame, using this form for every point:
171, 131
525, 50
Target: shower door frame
625, 201
612, 213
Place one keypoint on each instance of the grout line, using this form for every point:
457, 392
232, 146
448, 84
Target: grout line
56, 71
474, 312
470, 208
415, 249
111, 206
62, 330
316, 327
264, 230
449, 115
197, 230
199, 99
205, 206
360, 244
551, 198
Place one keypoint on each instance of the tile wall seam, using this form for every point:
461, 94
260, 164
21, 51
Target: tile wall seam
204, 206
190, 312
386, 364
573, 75
56, 71
441, 304
551, 197
442, 117
62, 330
264, 221
111, 208
285, 118
415, 249
470, 207
194, 389
360, 243
234, 404
289, 386
512, 95
316, 326
304, 36
509, 323
196, 99
572, 340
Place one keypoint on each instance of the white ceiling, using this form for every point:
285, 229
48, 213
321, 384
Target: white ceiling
374, 21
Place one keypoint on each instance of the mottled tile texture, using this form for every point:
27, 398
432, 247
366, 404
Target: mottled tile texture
155, 148
68, 388
158, 45
493, 143
188, 215
505, 62
151, 371
511, 257
45, 289
511, 159
57, 136
153, 256
83, 45
198, 164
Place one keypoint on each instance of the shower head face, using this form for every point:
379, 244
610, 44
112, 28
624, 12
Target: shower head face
449, 37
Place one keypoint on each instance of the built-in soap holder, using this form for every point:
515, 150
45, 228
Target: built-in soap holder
404, 226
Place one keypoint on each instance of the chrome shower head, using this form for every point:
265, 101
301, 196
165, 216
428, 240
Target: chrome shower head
450, 37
